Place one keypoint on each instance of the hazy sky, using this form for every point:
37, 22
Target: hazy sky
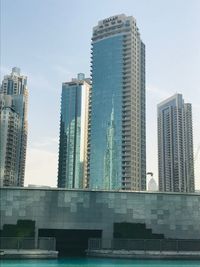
50, 41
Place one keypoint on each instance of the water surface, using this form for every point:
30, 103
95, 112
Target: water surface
87, 262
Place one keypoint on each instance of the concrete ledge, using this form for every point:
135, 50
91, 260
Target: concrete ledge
137, 254
28, 254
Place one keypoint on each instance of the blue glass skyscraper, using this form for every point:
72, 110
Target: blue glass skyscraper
117, 133
72, 169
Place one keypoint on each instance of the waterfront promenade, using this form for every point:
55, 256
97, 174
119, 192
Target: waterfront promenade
137, 254
28, 254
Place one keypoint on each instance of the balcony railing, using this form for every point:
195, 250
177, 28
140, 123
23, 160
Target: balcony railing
46, 243
145, 244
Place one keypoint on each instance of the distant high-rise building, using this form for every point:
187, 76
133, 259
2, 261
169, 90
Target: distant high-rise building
117, 136
152, 185
13, 130
72, 169
175, 145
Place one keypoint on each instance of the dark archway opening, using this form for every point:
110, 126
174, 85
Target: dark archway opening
70, 242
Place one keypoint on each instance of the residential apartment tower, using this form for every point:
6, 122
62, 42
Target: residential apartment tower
13, 132
175, 145
117, 133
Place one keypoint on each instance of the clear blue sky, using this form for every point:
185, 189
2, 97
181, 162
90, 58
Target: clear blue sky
50, 41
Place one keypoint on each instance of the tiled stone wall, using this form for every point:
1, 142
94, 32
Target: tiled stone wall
174, 215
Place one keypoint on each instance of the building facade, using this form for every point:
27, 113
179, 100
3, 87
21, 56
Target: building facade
152, 185
13, 133
175, 215
117, 135
175, 145
72, 169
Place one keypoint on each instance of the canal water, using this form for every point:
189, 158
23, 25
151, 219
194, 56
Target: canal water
87, 262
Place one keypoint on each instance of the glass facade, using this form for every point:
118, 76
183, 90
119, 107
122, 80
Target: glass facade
117, 135
73, 134
106, 127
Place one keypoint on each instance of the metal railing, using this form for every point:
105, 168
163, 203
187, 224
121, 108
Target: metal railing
144, 244
44, 243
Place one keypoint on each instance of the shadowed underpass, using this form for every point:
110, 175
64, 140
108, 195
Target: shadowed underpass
70, 242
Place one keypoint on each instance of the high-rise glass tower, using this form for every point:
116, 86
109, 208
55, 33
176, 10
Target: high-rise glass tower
117, 136
72, 169
175, 145
13, 132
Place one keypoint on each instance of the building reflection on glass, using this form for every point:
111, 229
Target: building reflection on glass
72, 169
117, 158
111, 175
